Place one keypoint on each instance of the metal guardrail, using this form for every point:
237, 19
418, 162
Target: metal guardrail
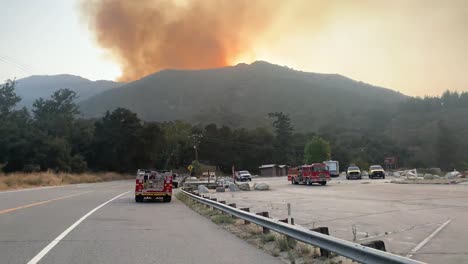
341, 247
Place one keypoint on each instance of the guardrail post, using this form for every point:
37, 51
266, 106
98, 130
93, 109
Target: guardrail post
267, 215
222, 202
377, 244
213, 199
205, 197
322, 230
247, 210
233, 205
290, 239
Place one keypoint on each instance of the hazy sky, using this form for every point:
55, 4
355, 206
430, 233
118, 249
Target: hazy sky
418, 47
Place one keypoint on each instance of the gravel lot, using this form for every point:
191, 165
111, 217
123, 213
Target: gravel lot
403, 215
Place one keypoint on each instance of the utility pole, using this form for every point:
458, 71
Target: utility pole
196, 142
196, 152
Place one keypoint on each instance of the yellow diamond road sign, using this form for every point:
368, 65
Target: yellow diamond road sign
190, 167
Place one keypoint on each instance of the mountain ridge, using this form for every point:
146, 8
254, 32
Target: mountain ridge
241, 96
43, 86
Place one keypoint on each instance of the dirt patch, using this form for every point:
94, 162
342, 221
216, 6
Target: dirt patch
28, 180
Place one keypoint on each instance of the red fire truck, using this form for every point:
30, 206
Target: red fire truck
308, 174
153, 184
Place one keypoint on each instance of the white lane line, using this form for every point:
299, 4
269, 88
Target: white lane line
424, 242
395, 232
54, 242
32, 189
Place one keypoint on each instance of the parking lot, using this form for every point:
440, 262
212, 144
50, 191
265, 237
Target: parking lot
426, 221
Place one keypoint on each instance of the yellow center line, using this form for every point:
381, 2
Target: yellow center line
39, 203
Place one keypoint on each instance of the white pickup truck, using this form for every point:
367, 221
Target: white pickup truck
243, 176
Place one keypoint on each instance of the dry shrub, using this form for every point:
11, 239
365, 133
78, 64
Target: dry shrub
50, 178
3, 186
10, 181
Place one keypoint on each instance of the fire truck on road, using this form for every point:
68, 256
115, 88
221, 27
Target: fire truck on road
308, 174
153, 184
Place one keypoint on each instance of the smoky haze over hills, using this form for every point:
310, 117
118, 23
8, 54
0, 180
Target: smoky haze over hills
43, 86
243, 95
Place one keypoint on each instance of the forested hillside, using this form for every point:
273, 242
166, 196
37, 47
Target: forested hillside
428, 132
243, 95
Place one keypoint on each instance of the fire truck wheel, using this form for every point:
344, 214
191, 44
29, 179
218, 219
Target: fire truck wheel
323, 183
308, 182
138, 198
166, 199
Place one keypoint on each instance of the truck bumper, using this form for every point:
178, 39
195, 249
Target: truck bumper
158, 194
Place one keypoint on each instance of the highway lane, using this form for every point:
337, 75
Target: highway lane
25, 231
25, 197
122, 231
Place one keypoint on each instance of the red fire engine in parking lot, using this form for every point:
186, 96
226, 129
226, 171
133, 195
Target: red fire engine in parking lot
153, 184
308, 174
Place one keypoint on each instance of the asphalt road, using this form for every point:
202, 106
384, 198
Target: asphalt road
101, 223
428, 222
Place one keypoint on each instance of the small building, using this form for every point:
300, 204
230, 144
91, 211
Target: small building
273, 170
282, 170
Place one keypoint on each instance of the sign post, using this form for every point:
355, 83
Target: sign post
233, 174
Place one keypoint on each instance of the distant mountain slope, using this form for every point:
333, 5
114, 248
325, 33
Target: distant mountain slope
36, 86
243, 95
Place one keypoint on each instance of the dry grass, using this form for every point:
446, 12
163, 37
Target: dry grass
26, 180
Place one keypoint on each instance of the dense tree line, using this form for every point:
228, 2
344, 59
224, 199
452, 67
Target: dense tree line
54, 136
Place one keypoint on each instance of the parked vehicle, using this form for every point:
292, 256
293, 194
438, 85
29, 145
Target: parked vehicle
308, 174
353, 172
376, 171
243, 176
333, 167
153, 184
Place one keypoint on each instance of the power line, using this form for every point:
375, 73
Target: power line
24, 65
17, 64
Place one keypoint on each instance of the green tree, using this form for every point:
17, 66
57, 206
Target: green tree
283, 135
178, 150
361, 163
117, 141
151, 152
8, 98
316, 150
56, 115
447, 150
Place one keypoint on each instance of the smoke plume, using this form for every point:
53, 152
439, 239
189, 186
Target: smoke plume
149, 35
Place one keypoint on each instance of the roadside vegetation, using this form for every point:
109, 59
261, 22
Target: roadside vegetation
277, 245
20, 180
53, 135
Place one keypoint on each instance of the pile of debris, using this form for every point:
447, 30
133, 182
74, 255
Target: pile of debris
435, 177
